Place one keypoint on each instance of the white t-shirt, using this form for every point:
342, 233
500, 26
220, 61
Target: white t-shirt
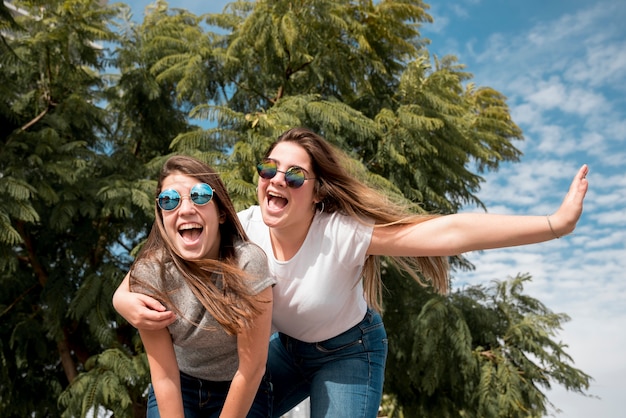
319, 292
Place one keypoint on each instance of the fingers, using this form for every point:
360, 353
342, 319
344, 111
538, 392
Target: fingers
580, 184
571, 209
149, 314
582, 173
152, 320
151, 303
157, 320
584, 170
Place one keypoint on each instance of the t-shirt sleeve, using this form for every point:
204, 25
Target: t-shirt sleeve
351, 238
253, 261
144, 277
245, 217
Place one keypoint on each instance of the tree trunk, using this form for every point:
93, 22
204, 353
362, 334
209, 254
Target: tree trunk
66, 360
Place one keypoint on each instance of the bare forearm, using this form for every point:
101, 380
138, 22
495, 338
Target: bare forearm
460, 233
478, 231
169, 398
252, 346
140, 310
164, 372
241, 394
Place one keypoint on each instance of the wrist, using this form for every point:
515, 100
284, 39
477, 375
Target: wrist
557, 236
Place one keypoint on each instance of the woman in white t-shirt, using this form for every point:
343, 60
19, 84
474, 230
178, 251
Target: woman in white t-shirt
324, 233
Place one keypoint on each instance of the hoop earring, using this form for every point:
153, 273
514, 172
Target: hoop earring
322, 209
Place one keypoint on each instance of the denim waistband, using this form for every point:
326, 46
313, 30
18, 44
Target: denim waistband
207, 384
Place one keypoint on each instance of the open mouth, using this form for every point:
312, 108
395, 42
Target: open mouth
190, 232
276, 201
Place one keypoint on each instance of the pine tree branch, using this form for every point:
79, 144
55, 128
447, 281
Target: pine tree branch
19, 298
35, 120
66, 360
40, 272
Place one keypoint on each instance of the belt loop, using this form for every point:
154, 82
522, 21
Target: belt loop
369, 315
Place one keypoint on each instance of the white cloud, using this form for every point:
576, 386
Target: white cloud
525, 114
616, 129
548, 95
601, 64
459, 10
554, 94
562, 78
440, 22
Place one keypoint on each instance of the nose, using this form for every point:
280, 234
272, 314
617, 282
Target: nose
186, 205
279, 179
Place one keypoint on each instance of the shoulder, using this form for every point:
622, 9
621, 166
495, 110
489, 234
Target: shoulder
146, 267
342, 223
253, 213
346, 238
151, 261
249, 252
252, 222
252, 259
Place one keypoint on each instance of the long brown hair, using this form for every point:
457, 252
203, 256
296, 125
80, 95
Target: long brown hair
228, 301
339, 191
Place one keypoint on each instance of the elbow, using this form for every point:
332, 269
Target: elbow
114, 300
258, 372
254, 372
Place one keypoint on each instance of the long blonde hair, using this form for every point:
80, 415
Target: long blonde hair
228, 300
339, 191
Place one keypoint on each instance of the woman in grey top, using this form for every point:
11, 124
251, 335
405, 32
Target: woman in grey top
199, 263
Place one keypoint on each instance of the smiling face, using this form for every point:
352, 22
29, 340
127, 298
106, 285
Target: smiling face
283, 207
192, 229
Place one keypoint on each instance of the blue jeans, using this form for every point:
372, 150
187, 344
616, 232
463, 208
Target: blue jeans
343, 375
203, 398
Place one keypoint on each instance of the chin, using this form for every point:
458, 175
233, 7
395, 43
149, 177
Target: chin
271, 217
188, 254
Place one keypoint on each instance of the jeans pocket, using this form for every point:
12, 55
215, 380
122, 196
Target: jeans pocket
335, 345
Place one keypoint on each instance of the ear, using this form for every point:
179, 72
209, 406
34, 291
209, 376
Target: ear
319, 192
222, 218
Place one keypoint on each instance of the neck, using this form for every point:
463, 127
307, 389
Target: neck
287, 241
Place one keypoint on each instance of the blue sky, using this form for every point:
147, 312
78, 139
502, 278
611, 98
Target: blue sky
562, 65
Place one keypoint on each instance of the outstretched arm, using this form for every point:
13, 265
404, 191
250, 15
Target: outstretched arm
459, 233
140, 310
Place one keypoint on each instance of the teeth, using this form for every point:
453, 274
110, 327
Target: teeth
189, 226
275, 195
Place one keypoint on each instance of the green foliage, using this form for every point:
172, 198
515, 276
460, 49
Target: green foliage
480, 352
76, 200
334, 69
112, 380
92, 105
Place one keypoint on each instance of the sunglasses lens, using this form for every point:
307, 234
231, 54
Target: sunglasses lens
169, 199
294, 177
267, 169
201, 194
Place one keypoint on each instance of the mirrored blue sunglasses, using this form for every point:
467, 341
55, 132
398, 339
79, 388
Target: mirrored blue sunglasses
200, 195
